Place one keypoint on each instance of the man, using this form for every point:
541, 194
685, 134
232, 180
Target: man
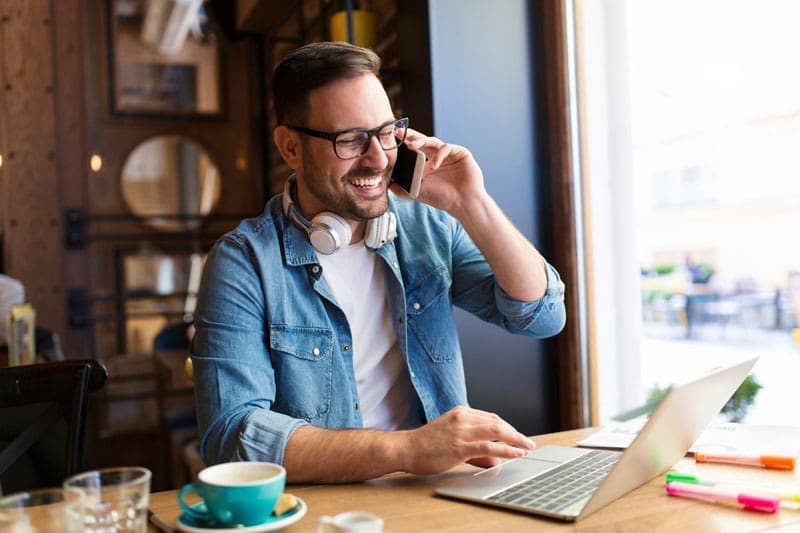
345, 366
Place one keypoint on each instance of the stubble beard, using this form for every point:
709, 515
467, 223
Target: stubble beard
337, 201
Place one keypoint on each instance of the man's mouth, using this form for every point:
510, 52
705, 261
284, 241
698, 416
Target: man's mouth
367, 183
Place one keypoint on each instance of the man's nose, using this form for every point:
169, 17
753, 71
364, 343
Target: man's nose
375, 156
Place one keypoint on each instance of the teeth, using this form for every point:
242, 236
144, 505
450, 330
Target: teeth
366, 182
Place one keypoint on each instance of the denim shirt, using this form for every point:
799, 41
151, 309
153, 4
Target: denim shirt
272, 349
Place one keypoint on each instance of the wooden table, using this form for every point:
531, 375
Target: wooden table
407, 503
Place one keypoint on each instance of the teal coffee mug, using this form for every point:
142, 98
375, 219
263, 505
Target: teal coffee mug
235, 494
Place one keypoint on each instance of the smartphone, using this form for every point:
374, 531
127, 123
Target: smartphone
408, 168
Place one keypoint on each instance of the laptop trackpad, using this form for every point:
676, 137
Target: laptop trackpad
490, 481
557, 454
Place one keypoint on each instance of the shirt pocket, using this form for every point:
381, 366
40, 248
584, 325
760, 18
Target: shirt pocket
430, 315
302, 359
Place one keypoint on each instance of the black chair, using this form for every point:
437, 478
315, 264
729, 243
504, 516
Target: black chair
42, 421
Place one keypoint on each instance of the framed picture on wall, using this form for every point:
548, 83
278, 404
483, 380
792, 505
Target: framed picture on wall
163, 60
156, 87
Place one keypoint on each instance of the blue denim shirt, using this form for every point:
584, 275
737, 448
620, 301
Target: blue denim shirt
271, 350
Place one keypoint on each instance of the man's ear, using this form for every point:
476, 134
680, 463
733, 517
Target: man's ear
289, 146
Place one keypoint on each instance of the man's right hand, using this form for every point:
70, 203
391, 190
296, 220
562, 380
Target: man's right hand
463, 435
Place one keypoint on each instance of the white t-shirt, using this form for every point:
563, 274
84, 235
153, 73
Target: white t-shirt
386, 397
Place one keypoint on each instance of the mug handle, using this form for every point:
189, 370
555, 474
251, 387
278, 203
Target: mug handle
324, 521
187, 509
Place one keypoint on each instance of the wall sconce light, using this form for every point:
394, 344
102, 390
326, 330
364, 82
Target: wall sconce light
241, 163
96, 163
1, 160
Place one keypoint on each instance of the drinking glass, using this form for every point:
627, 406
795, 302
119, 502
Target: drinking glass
115, 499
42, 510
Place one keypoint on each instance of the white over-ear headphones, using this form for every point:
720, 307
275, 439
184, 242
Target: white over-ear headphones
328, 232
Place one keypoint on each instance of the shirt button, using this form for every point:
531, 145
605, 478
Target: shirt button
316, 351
346, 347
395, 265
412, 375
416, 306
315, 269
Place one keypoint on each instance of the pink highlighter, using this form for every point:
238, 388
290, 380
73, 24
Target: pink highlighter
742, 500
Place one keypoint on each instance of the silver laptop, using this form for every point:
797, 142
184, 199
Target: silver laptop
571, 483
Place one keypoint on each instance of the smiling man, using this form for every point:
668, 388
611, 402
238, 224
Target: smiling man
325, 338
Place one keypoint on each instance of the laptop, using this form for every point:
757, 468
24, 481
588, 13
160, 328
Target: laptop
570, 483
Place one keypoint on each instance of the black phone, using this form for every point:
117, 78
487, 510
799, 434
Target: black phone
408, 168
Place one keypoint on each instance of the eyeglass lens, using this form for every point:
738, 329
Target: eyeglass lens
352, 144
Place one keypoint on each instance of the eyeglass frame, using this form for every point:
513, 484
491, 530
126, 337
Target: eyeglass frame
372, 132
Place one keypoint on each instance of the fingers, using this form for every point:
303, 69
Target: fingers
484, 462
464, 435
480, 433
435, 149
489, 426
415, 139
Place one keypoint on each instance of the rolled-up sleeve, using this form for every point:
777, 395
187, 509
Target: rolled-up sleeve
541, 318
476, 290
236, 423
233, 374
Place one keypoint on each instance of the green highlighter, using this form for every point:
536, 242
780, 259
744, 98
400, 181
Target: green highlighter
688, 478
785, 494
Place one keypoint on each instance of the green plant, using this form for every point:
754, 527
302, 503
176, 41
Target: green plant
663, 269
736, 407
708, 268
742, 399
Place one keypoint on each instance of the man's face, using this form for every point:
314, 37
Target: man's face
353, 188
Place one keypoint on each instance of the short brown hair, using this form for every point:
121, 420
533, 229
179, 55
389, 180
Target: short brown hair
313, 66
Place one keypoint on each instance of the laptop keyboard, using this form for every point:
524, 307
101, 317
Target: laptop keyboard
562, 486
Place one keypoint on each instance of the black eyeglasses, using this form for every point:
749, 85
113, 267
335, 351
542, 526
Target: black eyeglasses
350, 144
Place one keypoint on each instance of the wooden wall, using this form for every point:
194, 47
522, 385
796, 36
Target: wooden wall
234, 139
34, 120
55, 114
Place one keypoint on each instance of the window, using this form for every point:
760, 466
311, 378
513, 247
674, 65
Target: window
690, 122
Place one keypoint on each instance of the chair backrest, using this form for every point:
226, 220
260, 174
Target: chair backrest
43, 419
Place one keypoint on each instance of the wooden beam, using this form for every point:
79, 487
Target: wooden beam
553, 103
73, 154
263, 16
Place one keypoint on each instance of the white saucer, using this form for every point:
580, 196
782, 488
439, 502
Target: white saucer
191, 526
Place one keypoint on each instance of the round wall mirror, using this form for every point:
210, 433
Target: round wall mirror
171, 182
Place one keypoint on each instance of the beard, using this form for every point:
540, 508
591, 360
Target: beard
324, 188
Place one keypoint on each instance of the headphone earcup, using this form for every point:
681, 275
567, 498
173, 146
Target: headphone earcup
329, 232
380, 230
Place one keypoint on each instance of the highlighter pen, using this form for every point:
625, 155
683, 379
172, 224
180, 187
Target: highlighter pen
775, 462
783, 494
750, 502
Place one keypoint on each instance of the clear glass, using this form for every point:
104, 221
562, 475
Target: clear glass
50, 509
115, 499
